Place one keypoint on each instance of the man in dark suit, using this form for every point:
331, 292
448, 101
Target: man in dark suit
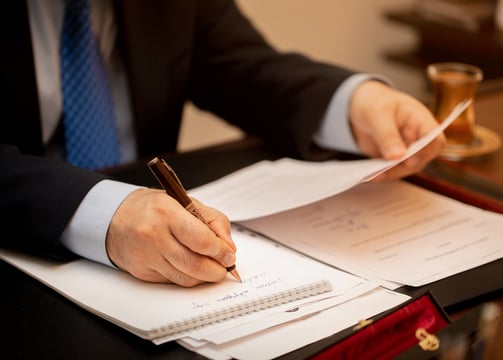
170, 52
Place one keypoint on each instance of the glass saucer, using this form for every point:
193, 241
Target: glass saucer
486, 141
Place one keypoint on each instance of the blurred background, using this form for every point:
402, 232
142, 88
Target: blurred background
396, 38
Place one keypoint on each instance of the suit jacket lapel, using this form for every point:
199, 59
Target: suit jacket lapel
156, 43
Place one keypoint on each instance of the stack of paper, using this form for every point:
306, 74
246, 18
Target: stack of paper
319, 218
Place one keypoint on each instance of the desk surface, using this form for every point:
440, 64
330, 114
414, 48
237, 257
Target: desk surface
39, 323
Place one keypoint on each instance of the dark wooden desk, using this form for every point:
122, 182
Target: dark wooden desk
39, 323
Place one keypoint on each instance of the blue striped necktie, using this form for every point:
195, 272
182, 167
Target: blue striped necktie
91, 135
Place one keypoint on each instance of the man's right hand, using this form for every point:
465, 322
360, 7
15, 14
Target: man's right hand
155, 239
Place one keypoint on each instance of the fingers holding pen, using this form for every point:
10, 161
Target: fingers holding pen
217, 222
186, 267
204, 239
155, 239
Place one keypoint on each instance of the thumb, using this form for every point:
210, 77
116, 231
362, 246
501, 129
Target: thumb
389, 141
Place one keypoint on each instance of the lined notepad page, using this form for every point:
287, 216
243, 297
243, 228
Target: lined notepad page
272, 276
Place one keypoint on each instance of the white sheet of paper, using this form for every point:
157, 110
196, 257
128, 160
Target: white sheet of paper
225, 333
329, 211
144, 308
270, 187
393, 231
283, 339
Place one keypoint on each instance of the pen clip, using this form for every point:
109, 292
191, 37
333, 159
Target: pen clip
169, 181
171, 172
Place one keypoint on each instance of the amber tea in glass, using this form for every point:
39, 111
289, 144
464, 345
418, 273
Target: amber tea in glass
452, 83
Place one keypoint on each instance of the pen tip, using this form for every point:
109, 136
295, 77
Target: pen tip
232, 270
236, 275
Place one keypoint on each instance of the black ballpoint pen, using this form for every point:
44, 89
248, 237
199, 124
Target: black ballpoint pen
168, 179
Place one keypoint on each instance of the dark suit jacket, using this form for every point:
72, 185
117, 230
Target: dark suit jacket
174, 50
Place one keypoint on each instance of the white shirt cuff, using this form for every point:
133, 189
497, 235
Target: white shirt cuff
335, 131
86, 233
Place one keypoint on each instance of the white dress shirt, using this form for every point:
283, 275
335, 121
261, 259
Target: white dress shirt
86, 233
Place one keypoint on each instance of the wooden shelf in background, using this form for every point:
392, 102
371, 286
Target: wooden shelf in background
441, 42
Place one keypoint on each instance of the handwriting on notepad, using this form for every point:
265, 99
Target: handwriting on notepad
262, 280
233, 295
270, 283
196, 306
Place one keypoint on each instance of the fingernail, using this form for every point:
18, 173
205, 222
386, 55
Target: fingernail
395, 151
229, 260
412, 162
232, 244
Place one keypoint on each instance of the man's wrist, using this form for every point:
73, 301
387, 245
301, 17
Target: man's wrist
86, 233
335, 131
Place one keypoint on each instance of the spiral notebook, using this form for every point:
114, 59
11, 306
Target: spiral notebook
273, 277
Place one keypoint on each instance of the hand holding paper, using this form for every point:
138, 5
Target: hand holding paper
421, 143
385, 124
269, 185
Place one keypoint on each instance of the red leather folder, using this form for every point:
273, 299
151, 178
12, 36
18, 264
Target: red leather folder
384, 336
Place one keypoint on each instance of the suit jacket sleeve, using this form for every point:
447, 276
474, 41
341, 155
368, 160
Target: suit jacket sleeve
280, 96
38, 199
206, 51
222, 64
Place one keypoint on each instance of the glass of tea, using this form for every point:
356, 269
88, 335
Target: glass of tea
452, 83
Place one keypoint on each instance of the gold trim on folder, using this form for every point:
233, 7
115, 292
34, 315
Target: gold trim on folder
362, 323
427, 341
